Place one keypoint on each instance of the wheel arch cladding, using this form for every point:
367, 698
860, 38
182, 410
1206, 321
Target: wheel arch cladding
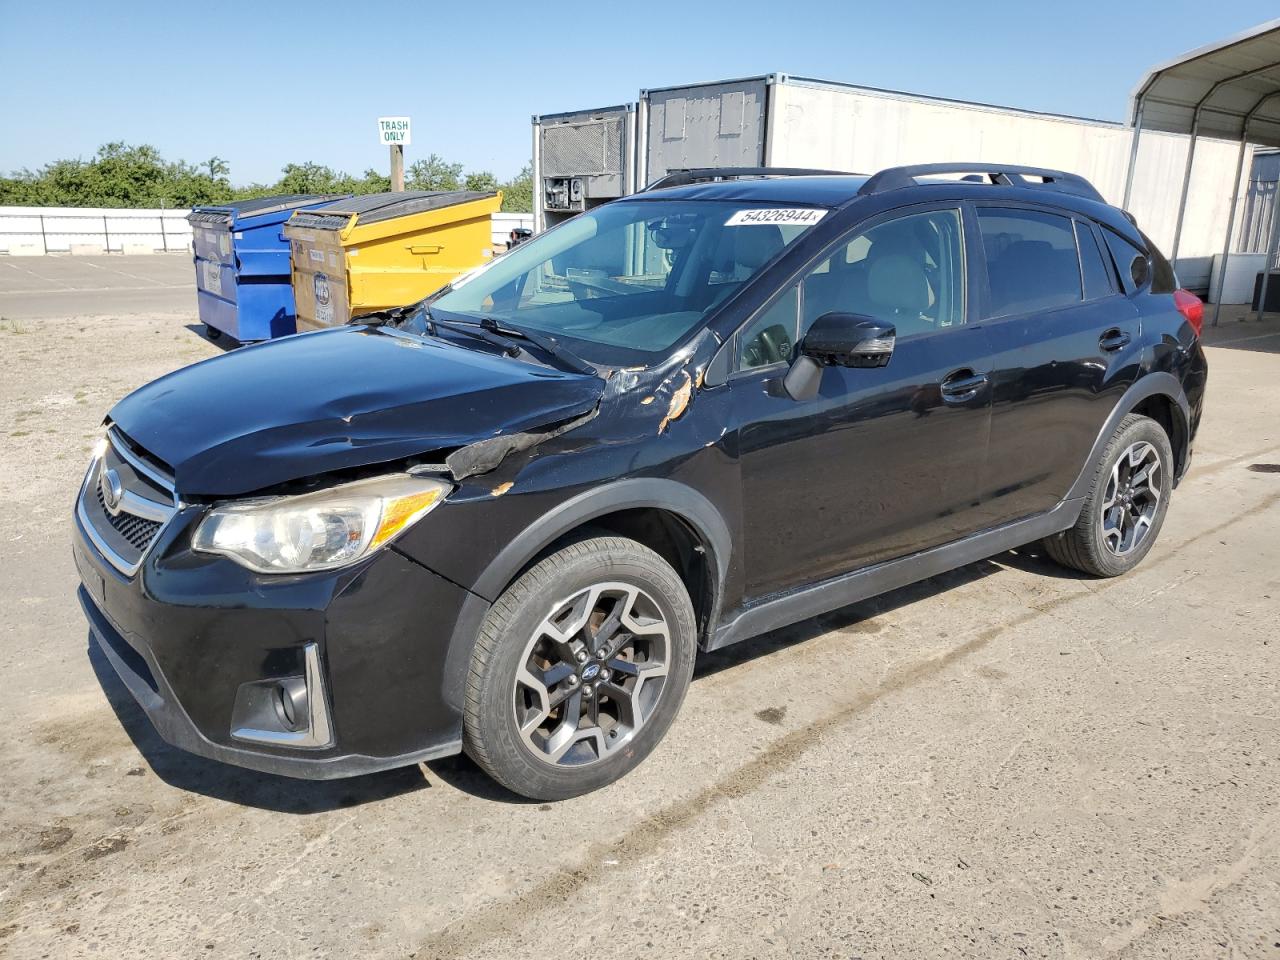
1158, 392
672, 519
1165, 411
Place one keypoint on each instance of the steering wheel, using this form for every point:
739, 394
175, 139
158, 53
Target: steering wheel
770, 345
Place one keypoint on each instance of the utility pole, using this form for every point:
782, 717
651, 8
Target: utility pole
397, 166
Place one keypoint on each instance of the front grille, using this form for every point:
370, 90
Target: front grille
138, 531
146, 503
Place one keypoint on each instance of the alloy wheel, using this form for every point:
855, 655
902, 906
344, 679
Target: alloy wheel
592, 674
1132, 498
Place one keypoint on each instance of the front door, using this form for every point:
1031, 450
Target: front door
886, 461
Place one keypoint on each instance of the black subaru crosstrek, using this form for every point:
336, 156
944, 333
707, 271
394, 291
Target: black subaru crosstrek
504, 520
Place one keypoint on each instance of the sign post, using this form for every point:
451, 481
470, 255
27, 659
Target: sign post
394, 132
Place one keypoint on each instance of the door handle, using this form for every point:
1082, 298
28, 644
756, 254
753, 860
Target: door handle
1114, 339
962, 386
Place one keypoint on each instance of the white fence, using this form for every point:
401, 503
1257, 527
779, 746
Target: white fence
34, 231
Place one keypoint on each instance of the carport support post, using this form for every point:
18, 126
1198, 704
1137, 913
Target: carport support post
1231, 222
1133, 158
1272, 234
1186, 183
397, 166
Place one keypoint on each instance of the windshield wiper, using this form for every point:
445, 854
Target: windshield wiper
506, 344
545, 343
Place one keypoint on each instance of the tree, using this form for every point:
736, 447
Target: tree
120, 175
218, 168
517, 193
482, 181
434, 173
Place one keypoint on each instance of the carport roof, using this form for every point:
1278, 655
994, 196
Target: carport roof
1233, 84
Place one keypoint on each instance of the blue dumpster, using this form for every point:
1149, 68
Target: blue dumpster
243, 285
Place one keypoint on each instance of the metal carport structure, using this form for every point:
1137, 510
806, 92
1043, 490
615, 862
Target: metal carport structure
1229, 90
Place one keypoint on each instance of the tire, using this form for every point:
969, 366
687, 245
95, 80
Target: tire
213, 333
1116, 529
550, 718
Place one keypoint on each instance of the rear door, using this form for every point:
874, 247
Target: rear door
1066, 344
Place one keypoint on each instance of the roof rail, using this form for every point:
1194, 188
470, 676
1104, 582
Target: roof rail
894, 178
683, 177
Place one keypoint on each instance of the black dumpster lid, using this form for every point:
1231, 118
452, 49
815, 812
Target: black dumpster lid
374, 207
258, 206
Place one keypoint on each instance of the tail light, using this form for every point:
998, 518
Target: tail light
1191, 307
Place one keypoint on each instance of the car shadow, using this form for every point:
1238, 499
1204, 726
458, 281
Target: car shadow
863, 613
210, 778
226, 342
1033, 559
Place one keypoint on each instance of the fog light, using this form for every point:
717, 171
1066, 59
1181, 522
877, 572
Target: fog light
291, 702
289, 711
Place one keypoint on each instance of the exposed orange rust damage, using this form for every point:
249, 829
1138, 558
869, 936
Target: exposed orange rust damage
646, 401
679, 401
502, 488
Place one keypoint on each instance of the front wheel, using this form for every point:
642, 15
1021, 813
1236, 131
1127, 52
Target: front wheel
1125, 506
579, 669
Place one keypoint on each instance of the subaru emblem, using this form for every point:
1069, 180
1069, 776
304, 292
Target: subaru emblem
112, 490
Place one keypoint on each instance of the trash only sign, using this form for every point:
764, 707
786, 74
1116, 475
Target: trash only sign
393, 131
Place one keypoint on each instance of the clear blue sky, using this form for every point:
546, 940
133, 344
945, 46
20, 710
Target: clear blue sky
261, 84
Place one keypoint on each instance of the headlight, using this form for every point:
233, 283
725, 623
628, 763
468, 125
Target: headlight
317, 531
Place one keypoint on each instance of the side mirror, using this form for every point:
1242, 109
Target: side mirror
849, 340
838, 339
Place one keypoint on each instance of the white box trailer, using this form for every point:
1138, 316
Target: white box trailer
582, 159
778, 120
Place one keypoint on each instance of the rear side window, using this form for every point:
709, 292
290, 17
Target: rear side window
1131, 263
1163, 277
1032, 262
1096, 271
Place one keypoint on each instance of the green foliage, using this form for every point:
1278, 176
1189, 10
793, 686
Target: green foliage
119, 175
517, 193
483, 182
433, 173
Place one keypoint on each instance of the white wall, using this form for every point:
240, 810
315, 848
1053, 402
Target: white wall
504, 223
56, 229
116, 229
864, 131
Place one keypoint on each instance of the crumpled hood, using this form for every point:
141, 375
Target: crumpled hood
347, 397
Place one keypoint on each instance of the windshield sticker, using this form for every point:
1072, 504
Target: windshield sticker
784, 215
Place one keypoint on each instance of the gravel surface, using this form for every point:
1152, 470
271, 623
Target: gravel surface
1005, 761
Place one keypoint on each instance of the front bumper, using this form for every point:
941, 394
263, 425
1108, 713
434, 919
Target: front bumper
189, 633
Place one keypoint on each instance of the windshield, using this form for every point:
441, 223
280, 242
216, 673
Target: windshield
622, 284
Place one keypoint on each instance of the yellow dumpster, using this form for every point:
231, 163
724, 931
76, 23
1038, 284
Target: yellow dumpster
384, 250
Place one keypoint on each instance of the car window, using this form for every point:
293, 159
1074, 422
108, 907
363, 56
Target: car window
1164, 279
1098, 275
1031, 260
908, 271
621, 284
1131, 263
771, 336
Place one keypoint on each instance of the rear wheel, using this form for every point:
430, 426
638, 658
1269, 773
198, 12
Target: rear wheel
1125, 506
213, 333
580, 667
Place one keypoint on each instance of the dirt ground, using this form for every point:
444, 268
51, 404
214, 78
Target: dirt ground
1006, 761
